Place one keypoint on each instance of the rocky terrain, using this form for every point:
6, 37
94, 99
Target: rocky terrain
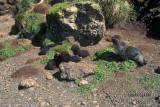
26, 83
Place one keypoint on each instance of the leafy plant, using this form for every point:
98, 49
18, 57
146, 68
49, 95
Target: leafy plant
77, 81
10, 51
7, 52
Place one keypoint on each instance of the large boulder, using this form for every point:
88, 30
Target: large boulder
78, 21
73, 71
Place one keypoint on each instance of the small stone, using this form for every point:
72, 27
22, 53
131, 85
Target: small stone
134, 102
47, 104
96, 105
49, 76
66, 106
83, 103
27, 83
31, 89
83, 82
1, 57
42, 103
94, 102
1, 35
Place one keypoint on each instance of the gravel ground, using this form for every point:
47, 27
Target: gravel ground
54, 92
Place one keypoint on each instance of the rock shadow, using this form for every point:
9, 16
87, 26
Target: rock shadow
14, 30
109, 56
57, 75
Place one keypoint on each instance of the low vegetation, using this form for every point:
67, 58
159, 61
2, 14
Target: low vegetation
24, 5
10, 51
98, 78
106, 61
152, 81
66, 46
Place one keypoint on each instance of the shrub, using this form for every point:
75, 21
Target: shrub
24, 5
20, 21
114, 10
37, 28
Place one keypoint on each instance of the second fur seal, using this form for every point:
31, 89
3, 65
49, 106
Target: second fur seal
127, 52
77, 51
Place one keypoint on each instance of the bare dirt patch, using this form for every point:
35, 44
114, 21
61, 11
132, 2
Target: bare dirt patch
25, 72
32, 60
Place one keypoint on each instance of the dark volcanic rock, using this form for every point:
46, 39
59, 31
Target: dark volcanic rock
80, 22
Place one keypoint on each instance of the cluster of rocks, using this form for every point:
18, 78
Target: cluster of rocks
8, 6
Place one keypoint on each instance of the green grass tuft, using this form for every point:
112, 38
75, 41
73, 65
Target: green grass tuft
59, 7
106, 59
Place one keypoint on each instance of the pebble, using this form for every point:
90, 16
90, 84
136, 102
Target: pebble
27, 83
66, 106
134, 102
48, 105
83, 103
49, 76
42, 103
83, 82
1, 57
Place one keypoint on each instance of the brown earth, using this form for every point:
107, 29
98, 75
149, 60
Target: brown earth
115, 91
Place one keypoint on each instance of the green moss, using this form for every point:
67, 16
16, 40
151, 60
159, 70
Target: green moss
50, 40
45, 41
59, 7
66, 46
